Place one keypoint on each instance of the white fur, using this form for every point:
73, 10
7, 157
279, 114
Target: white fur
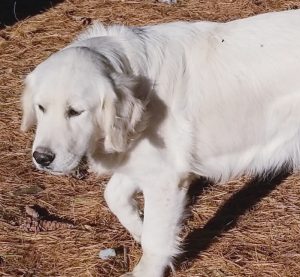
164, 103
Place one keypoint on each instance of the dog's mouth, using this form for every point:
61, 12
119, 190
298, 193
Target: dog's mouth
79, 171
48, 169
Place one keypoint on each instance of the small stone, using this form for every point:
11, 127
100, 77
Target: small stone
168, 1
31, 190
107, 253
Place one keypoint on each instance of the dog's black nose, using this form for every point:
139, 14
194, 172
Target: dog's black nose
43, 156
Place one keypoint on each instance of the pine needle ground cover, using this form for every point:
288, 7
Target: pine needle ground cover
56, 226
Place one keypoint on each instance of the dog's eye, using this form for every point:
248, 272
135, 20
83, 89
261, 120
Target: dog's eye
41, 108
71, 112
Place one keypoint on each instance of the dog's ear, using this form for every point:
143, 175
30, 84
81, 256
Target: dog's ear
125, 114
29, 116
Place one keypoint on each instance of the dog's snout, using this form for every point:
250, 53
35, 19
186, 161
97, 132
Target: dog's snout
43, 156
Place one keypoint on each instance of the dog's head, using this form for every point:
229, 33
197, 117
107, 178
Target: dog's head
77, 98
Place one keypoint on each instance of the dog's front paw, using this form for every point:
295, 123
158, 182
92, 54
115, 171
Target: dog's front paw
136, 237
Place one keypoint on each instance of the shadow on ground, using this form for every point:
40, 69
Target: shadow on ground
227, 215
12, 11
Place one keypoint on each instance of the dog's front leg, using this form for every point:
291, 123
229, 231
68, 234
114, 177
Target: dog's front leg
164, 207
119, 198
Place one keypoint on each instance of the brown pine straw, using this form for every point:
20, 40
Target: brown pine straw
234, 229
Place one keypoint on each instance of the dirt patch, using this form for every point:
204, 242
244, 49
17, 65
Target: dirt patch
242, 228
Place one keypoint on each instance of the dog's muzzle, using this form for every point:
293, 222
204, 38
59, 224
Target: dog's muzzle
43, 156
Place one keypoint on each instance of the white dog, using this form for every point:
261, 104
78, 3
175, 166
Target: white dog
157, 105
